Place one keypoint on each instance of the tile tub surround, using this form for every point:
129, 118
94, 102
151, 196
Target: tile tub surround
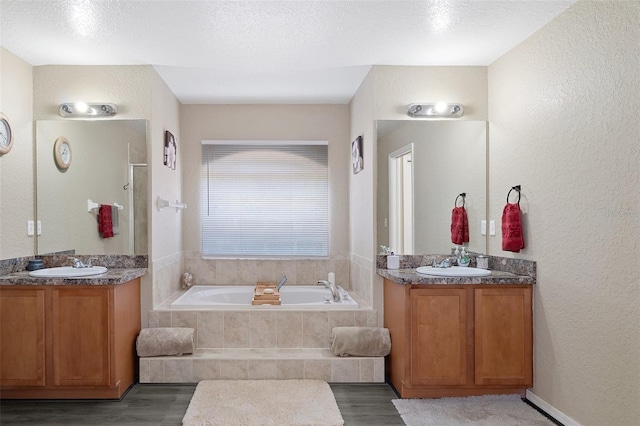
252, 344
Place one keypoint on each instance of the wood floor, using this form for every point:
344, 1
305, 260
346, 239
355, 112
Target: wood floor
165, 405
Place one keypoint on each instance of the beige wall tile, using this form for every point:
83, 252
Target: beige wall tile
266, 270
289, 329
234, 369
206, 369
290, 369
360, 318
205, 272
152, 318
345, 370
317, 369
164, 318
288, 268
178, 370
226, 272
366, 370
315, 330
236, 330
262, 369
341, 319
247, 272
263, 329
156, 370
210, 329
378, 372
145, 373
306, 272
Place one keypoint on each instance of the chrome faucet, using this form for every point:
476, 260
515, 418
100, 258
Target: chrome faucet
77, 263
333, 288
446, 263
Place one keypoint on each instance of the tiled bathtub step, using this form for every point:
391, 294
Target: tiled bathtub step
261, 364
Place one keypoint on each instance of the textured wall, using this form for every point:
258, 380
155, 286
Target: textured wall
563, 110
16, 167
384, 95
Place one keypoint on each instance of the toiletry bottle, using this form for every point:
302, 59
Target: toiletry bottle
393, 261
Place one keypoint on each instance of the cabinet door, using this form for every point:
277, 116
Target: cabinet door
22, 319
503, 337
438, 337
82, 336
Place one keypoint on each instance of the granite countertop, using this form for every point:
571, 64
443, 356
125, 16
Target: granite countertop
113, 276
409, 276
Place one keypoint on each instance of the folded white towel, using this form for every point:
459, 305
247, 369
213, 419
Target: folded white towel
360, 341
165, 341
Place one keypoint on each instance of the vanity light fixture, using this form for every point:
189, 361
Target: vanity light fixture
437, 110
83, 110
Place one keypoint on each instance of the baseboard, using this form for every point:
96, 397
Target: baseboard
550, 409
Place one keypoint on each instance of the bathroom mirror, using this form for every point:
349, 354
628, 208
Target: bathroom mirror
423, 167
105, 163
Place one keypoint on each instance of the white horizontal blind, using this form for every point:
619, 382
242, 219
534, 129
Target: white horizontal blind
264, 199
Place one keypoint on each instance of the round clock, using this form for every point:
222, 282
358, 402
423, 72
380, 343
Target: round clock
6, 135
62, 152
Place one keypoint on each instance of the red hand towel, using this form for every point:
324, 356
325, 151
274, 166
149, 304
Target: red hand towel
105, 226
512, 239
459, 226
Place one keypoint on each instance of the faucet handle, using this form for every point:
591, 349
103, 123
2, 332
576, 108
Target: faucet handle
88, 264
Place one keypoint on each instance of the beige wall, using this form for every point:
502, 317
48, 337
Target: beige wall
384, 95
166, 231
563, 108
267, 122
139, 92
16, 167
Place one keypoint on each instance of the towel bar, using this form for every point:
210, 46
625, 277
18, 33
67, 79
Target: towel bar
165, 203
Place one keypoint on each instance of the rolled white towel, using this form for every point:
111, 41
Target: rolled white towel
165, 341
360, 341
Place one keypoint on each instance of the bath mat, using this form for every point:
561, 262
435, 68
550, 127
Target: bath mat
262, 402
488, 410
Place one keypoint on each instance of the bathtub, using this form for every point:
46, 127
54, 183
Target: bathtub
235, 297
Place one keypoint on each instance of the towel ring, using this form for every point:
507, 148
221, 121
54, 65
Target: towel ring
514, 188
464, 196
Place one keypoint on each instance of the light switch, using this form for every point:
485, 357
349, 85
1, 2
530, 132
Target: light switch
492, 227
483, 227
39, 225
30, 228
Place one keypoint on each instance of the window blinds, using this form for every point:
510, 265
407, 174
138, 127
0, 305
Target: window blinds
264, 199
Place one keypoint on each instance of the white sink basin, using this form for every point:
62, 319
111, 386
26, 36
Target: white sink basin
67, 272
454, 271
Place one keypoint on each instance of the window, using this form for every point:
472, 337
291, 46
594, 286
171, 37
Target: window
264, 198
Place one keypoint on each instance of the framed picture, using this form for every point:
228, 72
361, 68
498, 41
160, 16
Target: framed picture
357, 159
170, 149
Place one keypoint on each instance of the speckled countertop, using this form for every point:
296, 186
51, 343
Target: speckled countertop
120, 269
409, 276
503, 271
113, 276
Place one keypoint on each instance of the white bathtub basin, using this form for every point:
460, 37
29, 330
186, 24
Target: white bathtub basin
67, 272
454, 271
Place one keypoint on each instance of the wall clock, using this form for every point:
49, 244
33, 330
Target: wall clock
6, 134
62, 153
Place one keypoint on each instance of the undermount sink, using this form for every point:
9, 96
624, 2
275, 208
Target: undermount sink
454, 271
67, 272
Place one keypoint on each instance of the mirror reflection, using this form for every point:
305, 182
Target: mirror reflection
91, 191
423, 167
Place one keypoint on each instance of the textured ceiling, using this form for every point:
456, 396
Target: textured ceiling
268, 51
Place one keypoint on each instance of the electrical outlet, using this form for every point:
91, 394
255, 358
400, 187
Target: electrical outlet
483, 227
39, 227
492, 227
30, 228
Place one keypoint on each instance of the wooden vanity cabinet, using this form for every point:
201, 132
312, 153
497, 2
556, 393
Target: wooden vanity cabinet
75, 341
458, 340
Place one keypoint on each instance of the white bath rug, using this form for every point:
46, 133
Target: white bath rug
488, 410
263, 402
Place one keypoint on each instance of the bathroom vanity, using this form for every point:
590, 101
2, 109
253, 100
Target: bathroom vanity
458, 336
69, 338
